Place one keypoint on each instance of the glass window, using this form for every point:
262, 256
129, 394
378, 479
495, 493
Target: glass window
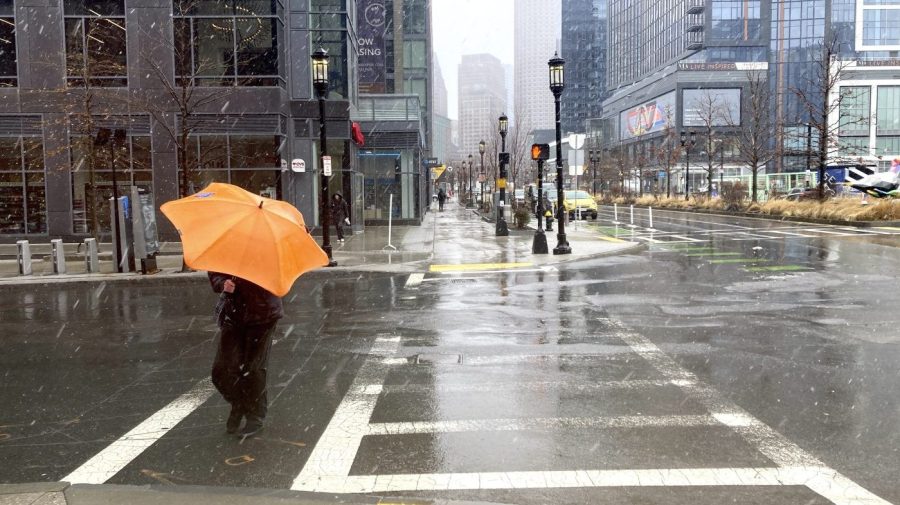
22, 186
888, 109
414, 17
8, 61
414, 56
239, 46
254, 151
881, 27
855, 110
888, 146
133, 168
252, 162
96, 43
854, 146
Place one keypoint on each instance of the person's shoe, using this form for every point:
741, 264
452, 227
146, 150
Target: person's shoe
254, 425
233, 424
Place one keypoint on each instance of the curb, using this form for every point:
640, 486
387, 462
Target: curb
767, 217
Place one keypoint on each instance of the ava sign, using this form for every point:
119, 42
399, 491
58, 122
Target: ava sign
298, 166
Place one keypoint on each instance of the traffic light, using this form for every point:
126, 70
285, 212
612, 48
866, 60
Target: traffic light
540, 152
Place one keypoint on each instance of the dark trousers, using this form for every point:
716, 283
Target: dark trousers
339, 226
239, 371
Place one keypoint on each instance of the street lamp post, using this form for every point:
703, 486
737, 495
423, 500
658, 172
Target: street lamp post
594, 158
481, 148
471, 203
502, 229
320, 83
557, 84
687, 144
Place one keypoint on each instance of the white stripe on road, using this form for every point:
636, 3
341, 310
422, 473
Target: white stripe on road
414, 280
789, 233
538, 424
123, 451
336, 449
481, 387
687, 239
781, 451
671, 477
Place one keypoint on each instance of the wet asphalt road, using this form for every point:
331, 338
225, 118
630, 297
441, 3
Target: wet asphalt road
731, 345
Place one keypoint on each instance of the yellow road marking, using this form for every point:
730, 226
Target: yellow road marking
611, 239
475, 267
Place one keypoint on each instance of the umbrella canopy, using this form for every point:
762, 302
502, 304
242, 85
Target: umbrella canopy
227, 229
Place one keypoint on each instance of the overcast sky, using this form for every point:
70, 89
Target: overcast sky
470, 27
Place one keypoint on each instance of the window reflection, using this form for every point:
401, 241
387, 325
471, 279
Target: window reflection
96, 43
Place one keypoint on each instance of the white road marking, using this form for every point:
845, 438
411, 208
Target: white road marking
521, 386
784, 453
414, 280
789, 233
686, 239
108, 462
336, 449
536, 424
671, 477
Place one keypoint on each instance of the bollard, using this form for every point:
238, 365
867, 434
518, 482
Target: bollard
632, 217
58, 256
616, 213
23, 257
651, 218
91, 259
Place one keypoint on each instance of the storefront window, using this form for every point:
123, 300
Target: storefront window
390, 184
23, 193
252, 162
8, 62
133, 168
889, 109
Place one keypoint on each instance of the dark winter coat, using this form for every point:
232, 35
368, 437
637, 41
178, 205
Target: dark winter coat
340, 210
252, 304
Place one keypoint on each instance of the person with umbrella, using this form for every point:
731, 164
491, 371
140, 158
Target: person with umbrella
254, 249
247, 317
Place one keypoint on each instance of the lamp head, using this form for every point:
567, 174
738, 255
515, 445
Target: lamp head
557, 74
320, 71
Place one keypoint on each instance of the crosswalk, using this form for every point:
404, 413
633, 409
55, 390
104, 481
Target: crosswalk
777, 462
784, 232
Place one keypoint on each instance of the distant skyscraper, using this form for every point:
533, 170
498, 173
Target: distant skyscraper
510, 93
537, 26
482, 98
440, 90
584, 48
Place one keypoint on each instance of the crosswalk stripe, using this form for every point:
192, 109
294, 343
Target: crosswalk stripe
534, 424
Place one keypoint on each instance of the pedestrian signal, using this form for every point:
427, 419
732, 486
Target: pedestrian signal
540, 152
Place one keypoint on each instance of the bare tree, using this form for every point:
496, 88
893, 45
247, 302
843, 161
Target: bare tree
88, 64
669, 151
183, 94
711, 112
753, 139
518, 146
821, 98
639, 166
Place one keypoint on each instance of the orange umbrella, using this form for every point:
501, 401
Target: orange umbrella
227, 229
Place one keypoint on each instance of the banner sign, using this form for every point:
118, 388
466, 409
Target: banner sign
371, 33
650, 117
722, 66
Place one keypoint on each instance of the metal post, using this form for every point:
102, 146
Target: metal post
651, 218
325, 212
632, 217
390, 223
91, 259
539, 245
616, 213
562, 243
58, 256
23, 257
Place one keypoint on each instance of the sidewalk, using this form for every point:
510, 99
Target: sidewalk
457, 236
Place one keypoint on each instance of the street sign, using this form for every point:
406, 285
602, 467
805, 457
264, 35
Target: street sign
501, 183
431, 162
481, 178
298, 165
326, 165
284, 165
438, 171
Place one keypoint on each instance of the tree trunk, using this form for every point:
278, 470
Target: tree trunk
754, 170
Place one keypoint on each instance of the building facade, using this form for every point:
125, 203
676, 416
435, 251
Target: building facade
482, 99
665, 56
537, 31
251, 114
98, 65
584, 49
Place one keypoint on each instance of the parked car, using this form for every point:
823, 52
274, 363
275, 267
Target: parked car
577, 202
800, 193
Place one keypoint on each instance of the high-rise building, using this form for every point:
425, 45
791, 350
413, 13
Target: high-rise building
439, 89
510, 75
537, 30
663, 56
442, 137
584, 49
482, 99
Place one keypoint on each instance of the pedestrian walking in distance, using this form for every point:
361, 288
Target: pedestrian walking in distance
340, 212
442, 197
247, 315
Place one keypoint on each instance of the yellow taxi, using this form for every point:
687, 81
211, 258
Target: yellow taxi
580, 203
